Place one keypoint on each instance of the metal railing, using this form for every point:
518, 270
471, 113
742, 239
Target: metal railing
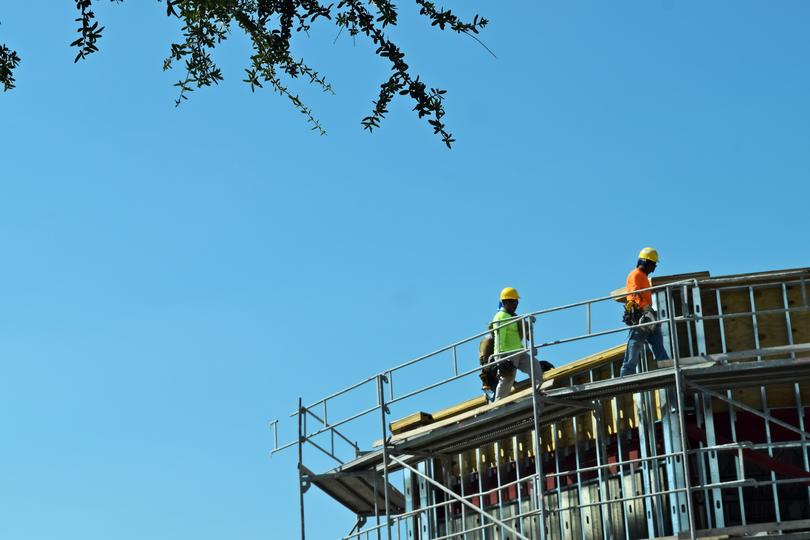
687, 290
387, 376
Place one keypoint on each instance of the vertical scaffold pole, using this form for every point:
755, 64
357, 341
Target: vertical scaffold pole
797, 390
536, 410
603, 493
381, 398
732, 415
763, 393
679, 389
300, 465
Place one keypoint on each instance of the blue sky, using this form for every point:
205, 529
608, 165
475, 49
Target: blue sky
172, 279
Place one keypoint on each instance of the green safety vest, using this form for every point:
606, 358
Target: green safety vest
507, 337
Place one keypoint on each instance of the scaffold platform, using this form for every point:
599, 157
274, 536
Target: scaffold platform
710, 443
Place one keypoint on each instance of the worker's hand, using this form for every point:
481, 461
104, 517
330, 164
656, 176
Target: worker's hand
484, 381
647, 316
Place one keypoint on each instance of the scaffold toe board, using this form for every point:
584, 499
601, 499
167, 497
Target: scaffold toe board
360, 492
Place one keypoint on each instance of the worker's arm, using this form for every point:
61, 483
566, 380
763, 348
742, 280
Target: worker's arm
522, 323
486, 348
635, 281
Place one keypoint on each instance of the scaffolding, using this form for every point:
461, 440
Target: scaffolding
711, 442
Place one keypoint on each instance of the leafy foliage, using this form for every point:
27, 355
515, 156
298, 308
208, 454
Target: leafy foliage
271, 26
8, 62
89, 31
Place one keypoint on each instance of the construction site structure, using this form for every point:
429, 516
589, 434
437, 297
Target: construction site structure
711, 443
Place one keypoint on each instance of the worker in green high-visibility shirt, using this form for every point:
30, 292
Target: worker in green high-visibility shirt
509, 350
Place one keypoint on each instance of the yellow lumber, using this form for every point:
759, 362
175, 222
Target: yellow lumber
410, 422
459, 408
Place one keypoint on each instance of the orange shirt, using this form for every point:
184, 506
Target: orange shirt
639, 280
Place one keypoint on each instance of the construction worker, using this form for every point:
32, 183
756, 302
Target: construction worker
639, 310
508, 338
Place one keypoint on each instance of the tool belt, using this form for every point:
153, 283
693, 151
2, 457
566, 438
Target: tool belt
493, 369
632, 313
504, 367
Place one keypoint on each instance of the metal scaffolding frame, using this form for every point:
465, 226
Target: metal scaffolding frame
663, 476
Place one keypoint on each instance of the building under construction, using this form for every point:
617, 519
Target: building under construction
712, 443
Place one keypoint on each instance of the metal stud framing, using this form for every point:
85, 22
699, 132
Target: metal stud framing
707, 413
764, 396
732, 415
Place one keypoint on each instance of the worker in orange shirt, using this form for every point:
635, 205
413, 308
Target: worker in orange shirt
639, 310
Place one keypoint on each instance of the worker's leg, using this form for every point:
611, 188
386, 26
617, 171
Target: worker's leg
656, 341
523, 363
506, 377
635, 343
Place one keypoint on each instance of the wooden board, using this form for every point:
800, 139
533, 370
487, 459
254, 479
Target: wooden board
410, 422
459, 408
619, 299
672, 278
752, 278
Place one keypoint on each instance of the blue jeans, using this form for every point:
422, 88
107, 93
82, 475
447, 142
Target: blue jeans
635, 344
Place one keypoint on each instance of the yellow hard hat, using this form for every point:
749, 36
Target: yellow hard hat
650, 254
509, 293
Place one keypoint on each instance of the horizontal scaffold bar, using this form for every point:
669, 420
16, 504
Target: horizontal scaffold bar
513, 415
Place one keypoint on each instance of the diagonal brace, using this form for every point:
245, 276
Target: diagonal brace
459, 499
333, 430
746, 408
361, 521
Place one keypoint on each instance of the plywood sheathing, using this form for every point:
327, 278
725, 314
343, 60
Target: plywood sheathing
772, 329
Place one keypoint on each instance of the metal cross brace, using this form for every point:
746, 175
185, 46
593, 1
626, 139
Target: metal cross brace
459, 499
746, 408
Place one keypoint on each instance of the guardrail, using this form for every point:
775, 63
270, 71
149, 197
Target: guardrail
383, 384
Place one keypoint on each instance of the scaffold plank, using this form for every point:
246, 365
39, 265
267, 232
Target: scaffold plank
357, 491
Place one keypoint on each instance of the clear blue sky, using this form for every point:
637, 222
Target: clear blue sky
172, 279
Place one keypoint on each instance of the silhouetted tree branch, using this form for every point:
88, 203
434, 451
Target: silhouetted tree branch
271, 26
